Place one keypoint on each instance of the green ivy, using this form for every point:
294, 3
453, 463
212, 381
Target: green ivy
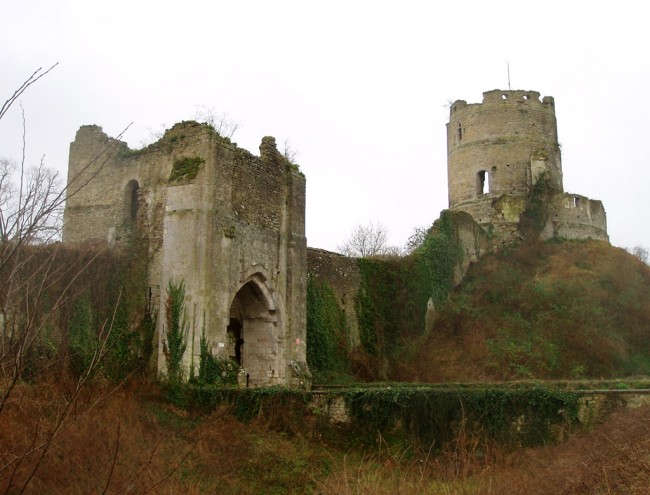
247, 403
431, 416
326, 330
533, 219
176, 330
82, 336
424, 417
185, 168
391, 303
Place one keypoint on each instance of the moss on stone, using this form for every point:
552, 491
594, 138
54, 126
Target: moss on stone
185, 168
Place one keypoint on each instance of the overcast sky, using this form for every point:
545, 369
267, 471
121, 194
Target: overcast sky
359, 88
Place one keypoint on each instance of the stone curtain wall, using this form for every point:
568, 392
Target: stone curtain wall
343, 276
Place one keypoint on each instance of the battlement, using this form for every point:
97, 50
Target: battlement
497, 151
516, 98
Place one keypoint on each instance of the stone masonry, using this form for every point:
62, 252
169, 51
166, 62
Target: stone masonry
496, 152
229, 224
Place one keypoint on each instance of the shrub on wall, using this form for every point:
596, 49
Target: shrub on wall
185, 168
215, 370
176, 330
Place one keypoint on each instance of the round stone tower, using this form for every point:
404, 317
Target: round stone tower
497, 151
500, 147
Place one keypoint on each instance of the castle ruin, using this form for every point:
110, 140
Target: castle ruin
231, 225
497, 151
228, 224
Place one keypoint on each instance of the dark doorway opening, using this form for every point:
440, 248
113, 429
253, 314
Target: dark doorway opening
235, 333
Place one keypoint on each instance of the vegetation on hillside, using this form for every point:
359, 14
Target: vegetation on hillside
563, 309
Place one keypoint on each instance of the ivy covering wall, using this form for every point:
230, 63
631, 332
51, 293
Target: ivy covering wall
326, 330
391, 303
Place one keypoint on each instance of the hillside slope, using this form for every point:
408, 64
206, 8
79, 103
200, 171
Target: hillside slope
564, 309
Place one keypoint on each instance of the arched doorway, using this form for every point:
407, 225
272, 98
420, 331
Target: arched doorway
253, 333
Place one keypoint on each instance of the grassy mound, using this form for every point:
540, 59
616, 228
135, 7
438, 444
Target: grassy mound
541, 310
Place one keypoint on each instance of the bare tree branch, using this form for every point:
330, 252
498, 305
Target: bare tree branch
38, 73
367, 241
220, 122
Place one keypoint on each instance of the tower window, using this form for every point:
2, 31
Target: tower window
482, 183
132, 189
460, 132
504, 97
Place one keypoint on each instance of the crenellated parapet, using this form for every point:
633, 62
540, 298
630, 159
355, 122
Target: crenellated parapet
498, 151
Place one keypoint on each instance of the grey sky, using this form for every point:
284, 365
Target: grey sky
359, 88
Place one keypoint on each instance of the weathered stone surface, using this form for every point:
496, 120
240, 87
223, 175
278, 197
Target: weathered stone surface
343, 276
496, 152
233, 230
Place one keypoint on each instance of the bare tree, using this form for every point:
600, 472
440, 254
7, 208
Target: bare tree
640, 252
31, 205
289, 152
220, 122
367, 241
416, 239
36, 284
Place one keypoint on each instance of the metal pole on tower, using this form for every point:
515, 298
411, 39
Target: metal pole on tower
508, 67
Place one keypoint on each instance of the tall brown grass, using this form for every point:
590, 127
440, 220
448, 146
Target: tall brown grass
131, 440
613, 459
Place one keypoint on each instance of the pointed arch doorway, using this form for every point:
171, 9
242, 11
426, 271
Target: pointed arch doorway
252, 330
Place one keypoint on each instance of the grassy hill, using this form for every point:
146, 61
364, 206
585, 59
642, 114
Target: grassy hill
562, 309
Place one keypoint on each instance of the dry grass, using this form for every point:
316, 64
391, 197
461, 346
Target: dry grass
612, 460
131, 440
109, 443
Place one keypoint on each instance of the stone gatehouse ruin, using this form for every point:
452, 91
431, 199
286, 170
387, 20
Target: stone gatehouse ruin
229, 224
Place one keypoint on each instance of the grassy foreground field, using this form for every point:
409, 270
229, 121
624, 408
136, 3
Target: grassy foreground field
131, 440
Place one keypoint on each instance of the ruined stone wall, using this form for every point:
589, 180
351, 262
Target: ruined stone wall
576, 217
343, 276
232, 230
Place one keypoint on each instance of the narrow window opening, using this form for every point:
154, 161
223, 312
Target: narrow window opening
525, 97
132, 190
576, 202
504, 97
460, 132
483, 183
134, 203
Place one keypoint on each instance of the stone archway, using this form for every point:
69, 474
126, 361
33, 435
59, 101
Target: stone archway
253, 333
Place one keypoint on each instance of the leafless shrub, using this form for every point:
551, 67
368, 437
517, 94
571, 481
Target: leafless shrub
289, 152
367, 241
639, 252
220, 122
